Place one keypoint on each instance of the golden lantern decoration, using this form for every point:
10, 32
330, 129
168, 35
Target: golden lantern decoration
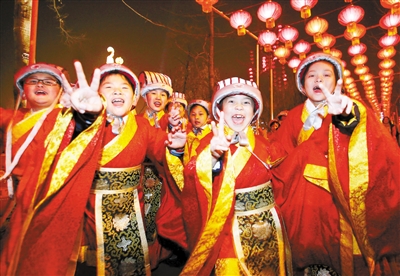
361, 70
206, 5
386, 73
348, 81
358, 49
336, 53
301, 48
390, 22
327, 41
387, 41
355, 36
267, 39
293, 63
387, 52
269, 12
393, 5
282, 53
303, 6
387, 64
240, 20
346, 73
316, 27
359, 60
287, 35
350, 16
351, 85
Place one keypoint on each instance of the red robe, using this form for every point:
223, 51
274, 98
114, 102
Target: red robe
210, 217
325, 203
51, 198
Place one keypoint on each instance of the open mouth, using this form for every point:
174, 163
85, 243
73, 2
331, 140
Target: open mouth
238, 119
317, 89
40, 92
157, 104
118, 101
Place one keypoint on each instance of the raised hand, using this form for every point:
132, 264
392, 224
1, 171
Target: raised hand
219, 143
86, 98
176, 138
337, 102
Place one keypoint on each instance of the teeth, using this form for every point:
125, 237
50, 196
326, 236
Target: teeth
117, 101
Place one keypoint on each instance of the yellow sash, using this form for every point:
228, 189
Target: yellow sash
216, 219
119, 143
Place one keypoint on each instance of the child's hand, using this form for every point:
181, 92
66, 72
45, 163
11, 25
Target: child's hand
337, 102
219, 143
176, 138
86, 98
174, 117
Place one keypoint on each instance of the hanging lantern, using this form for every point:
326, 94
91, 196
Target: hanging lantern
316, 27
302, 48
390, 22
282, 53
336, 53
287, 35
346, 73
387, 52
358, 49
393, 5
327, 41
348, 81
387, 64
386, 73
361, 70
359, 60
240, 20
350, 16
267, 39
269, 12
293, 63
386, 40
355, 36
206, 5
303, 6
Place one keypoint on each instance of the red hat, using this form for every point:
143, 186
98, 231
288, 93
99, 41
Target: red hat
152, 81
108, 68
206, 105
237, 86
337, 64
25, 71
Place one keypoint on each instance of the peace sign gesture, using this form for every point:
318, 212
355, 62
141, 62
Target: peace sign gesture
85, 98
337, 102
219, 143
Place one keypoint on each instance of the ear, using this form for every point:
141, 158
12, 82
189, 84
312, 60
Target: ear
135, 100
23, 96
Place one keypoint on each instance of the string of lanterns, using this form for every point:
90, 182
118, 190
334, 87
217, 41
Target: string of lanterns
349, 17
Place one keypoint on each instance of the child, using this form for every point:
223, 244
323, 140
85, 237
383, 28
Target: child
199, 118
338, 187
233, 226
179, 102
112, 226
40, 85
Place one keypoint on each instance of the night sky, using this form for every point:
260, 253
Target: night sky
146, 46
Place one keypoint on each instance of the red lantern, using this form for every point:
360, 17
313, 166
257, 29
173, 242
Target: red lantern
240, 20
207, 5
359, 60
269, 12
267, 39
327, 41
293, 63
390, 22
287, 35
361, 70
355, 36
350, 16
282, 53
386, 73
387, 64
336, 53
302, 48
387, 52
303, 6
393, 5
386, 40
357, 49
316, 27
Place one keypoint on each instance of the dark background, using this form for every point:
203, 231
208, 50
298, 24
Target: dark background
179, 27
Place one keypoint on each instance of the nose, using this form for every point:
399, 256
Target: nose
117, 91
239, 106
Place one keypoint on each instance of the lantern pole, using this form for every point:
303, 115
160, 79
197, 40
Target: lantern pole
34, 19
